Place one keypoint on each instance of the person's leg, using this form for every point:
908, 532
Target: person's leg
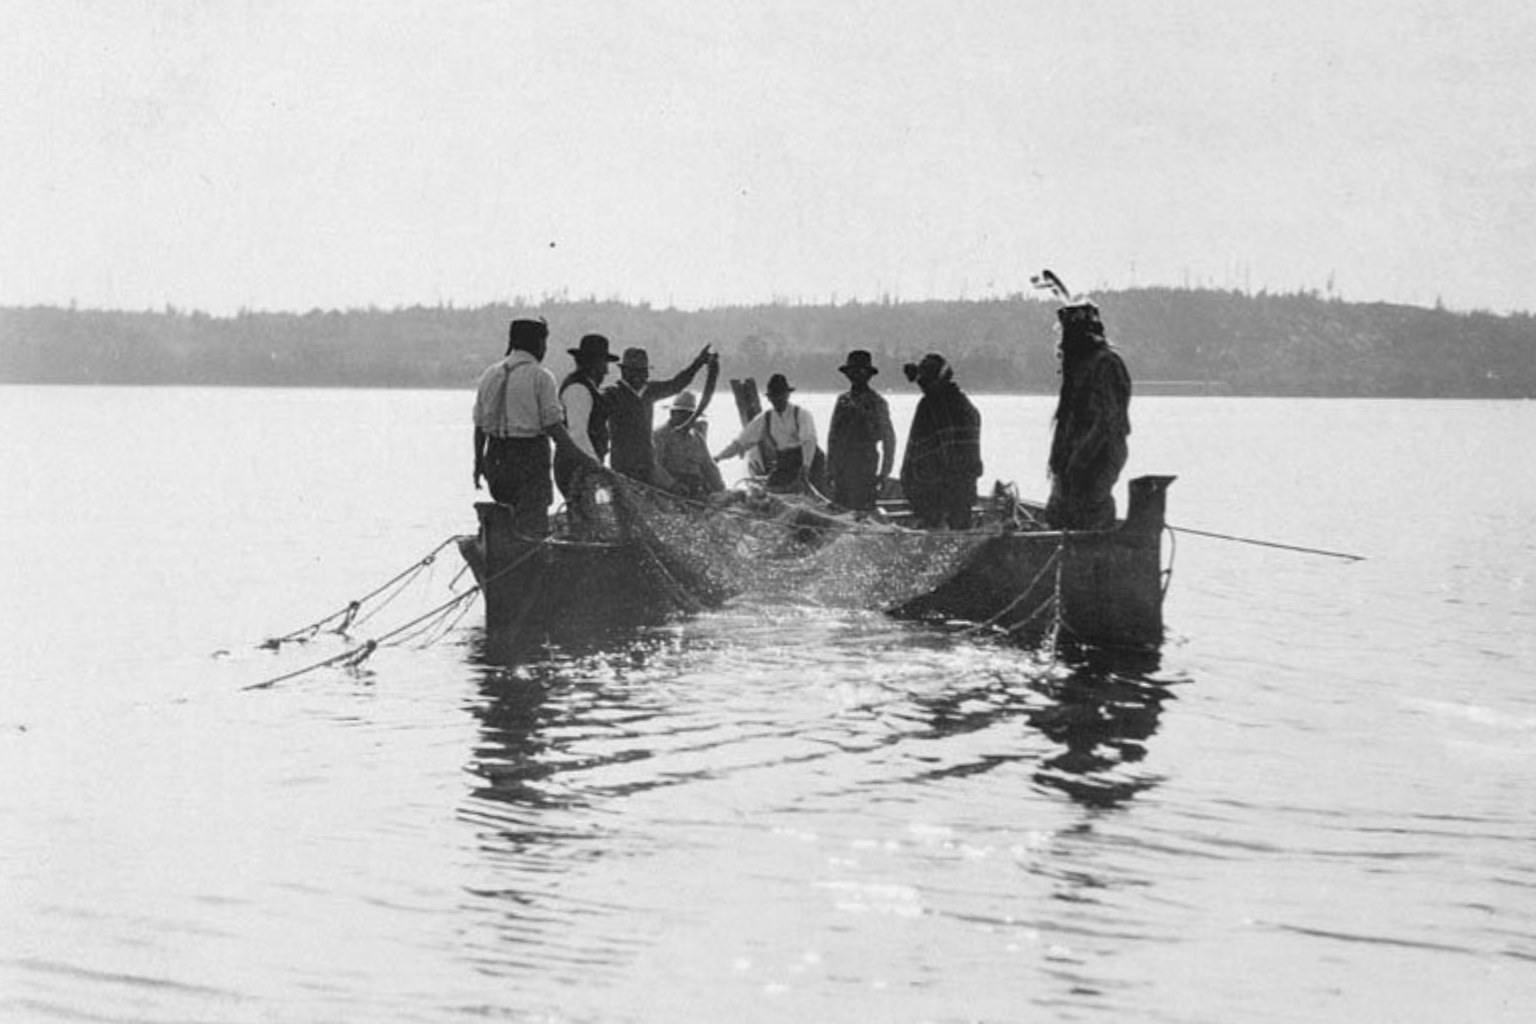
957, 503
499, 470
532, 493
862, 467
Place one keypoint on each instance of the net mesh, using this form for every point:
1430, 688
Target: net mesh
774, 546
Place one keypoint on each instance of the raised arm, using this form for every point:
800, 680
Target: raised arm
655, 391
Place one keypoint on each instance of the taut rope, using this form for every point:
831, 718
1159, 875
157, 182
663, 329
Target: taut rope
348, 615
359, 654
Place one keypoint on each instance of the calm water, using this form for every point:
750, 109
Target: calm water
1316, 806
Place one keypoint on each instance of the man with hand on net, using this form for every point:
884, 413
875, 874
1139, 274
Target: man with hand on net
790, 433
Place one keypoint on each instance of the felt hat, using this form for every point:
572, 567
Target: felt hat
858, 360
779, 385
636, 358
592, 348
685, 401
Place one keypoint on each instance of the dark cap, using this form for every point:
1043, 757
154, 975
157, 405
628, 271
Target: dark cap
779, 385
525, 334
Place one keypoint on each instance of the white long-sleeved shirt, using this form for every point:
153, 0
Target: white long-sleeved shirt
577, 400
795, 428
516, 398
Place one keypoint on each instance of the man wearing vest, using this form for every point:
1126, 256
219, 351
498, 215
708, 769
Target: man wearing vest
585, 417
628, 404
516, 414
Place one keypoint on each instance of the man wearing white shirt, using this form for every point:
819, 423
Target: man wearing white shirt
787, 431
517, 413
586, 417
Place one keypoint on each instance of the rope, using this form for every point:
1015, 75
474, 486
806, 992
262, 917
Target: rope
1042, 606
1173, 550
348, 614
1269, 544
1015, 602
357, 655
1058, 620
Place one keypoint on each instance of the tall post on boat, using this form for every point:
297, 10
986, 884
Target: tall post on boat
749, 406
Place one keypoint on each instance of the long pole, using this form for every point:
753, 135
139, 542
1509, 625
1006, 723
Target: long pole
1269, 544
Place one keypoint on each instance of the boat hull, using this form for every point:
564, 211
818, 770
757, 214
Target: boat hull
1101, 588
558, 591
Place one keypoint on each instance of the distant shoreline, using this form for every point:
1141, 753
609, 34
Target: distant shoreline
1176, 341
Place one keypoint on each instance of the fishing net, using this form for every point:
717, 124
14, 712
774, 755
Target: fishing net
773, 546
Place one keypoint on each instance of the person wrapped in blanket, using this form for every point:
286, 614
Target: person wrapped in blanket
1092, 421
943, 456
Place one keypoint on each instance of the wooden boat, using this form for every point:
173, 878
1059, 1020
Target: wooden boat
598, 573
1102, 588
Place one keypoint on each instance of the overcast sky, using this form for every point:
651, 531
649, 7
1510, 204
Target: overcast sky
292, 154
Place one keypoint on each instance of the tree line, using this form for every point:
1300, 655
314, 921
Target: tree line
1174, 339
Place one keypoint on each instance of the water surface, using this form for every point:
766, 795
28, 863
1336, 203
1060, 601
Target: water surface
1314, 805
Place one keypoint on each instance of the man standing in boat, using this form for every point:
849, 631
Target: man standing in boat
791, 435
861, 424
585, 418
517, 413
1088, 445
628, 404
943, 458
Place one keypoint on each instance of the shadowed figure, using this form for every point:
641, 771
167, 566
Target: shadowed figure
1088, 446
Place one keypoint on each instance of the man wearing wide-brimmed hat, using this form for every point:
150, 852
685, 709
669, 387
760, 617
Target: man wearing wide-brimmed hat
585, 416
629, 403
517, 414
790, 435
861, 444
682, 452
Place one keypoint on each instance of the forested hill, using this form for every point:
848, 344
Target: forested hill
1194, 341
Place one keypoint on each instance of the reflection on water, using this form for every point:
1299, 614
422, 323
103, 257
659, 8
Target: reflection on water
1102, 712
606, 780
1100, 707
766, 813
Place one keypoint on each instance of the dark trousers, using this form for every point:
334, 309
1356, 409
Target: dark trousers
857, 469
565, 473
517, 470
945, 503
1085, 501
